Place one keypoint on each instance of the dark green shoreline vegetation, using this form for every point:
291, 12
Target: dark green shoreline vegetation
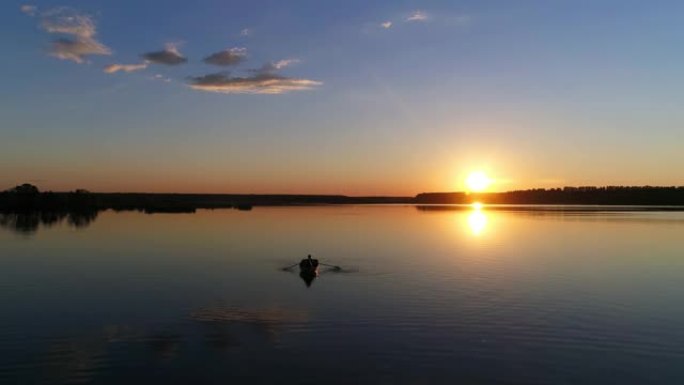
28, 197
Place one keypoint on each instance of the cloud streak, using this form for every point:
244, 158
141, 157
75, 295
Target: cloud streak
417, 16
228, 57
272, 67
114, 68
80, 29
68, 21
168, 56
161, 77
76, 50
260, 83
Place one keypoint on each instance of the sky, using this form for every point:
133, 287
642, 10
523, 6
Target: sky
340, 97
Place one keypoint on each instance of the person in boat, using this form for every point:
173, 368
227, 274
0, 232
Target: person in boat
308, 263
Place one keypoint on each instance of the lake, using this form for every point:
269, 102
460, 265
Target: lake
422, 295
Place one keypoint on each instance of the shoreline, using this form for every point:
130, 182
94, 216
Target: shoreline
662, 198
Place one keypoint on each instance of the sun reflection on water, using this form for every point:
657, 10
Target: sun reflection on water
477, 220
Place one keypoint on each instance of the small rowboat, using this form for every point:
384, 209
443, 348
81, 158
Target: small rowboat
309, 266
308, 270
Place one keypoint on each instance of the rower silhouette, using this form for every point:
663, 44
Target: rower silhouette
308, 263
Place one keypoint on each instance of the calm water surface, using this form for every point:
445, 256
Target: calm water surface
425, 296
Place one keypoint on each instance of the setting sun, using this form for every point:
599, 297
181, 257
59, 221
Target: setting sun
477, 181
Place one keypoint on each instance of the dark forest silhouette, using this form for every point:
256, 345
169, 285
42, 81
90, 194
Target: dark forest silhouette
27, 196
25, 208
586, 195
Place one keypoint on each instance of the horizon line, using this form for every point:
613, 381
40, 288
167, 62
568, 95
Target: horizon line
564, 188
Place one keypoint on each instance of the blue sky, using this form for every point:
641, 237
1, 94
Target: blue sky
329, 97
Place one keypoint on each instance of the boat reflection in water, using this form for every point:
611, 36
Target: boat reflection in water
308, 276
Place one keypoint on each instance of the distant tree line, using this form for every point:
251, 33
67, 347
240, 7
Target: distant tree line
585, 195
27, 197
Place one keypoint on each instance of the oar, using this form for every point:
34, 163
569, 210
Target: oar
333, 266
289, 267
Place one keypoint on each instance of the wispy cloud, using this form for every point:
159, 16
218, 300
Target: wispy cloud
264, 80
170, 55
272, 67
439, 19
80, 29
417, 16
76, 50
113, 68
28, 9
246, 32
261, 83
161, 78
68, 21
228, 57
